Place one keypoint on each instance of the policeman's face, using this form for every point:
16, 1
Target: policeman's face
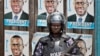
16, 5
56, 27
81, 6
16, 46
51, 5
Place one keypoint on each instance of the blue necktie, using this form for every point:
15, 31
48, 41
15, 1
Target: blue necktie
80, 20
15, 17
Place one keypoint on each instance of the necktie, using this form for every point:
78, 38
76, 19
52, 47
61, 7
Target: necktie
15, 17
80, 20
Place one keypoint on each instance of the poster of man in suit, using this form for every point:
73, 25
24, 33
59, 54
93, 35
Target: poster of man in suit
16, 12
80, 14
45, 8
16, 43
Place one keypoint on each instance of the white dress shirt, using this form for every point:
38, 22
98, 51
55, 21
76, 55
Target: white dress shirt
83, 17
19, 15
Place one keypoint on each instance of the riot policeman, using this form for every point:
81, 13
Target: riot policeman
56, 43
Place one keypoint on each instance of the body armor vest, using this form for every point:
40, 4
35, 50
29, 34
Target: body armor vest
53, 47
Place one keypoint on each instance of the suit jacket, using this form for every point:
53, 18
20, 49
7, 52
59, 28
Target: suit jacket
24, 16
42, 16
89, 18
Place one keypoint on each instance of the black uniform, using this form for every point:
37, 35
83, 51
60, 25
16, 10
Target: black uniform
52, 46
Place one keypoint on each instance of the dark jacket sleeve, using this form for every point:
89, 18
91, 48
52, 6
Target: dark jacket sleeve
38, 49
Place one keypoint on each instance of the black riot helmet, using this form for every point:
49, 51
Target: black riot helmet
56, 17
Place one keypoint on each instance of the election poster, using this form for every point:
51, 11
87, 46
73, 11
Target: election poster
16, 43
80, 14
16, 13
45, 8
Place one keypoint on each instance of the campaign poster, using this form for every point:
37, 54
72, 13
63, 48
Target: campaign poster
45, 8
85, 39
80, 14
16, 43
16, 13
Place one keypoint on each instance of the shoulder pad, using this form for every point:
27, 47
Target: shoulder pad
44, 40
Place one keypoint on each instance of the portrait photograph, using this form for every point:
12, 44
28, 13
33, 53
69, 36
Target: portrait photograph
80, 14
16, 43
16, 12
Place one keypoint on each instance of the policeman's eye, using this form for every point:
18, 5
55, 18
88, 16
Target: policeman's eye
55, 26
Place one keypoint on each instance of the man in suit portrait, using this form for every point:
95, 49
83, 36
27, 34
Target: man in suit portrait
50, 6
17, 11
81, 15
17, 46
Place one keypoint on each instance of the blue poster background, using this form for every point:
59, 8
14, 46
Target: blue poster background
97, 27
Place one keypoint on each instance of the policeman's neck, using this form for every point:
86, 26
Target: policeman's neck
56, 35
